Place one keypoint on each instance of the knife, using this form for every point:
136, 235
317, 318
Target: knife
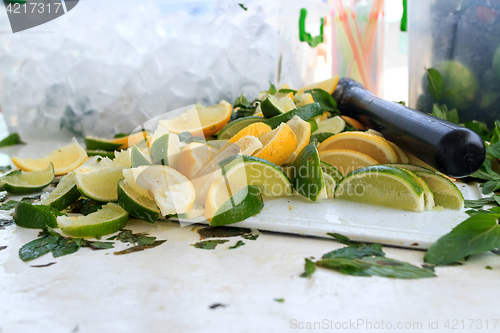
452, 149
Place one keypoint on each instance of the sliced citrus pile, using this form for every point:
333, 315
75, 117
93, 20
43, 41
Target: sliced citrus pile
383, 185
255, 129
203, 121
345, 160
251, 170
372, 145
234, 127
107, 220
64, 160
302, 131
64, 194
278, 145
21, 182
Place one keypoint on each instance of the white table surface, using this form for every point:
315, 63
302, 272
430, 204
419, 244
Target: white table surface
171, 287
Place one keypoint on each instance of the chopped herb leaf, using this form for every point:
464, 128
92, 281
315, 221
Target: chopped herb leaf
5, 168
489, 267
356, 251
38, 247
241, 101
272, 88
4, 223
368, 266
8, 205
100, 245
67, 246
325, 100
45, 265
479, 233
222, 232
126, 236
3, 247
217, 305
309, 268
340, 238
242, 6
250, 237
85, 206
210, 244
11, 140
142, 247
237, 245
436, 83
280, 300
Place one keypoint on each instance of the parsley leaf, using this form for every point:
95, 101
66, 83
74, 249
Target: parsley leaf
11, 140
479, 233
210, 244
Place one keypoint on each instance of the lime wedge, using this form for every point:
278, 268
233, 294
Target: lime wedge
109, 219
382, 185
331, 171
95, 143
21, 182
27, 215
331, 125
137, 158
307, 174
446, 194
251, 170
136, 204
165, 150
234, 127
329, 185
102, 153
305, 112
64, 194
271, 107
100, 185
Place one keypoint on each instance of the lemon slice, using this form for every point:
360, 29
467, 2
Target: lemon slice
278, 145
383, 185
255, 129
172, 191
63, 195
107, 220
235, 126
302, 131
307, 174
64, 160
203, 121
21, 182
136, 204
345, 160
251, 170
327, 85
100, 185
372, 145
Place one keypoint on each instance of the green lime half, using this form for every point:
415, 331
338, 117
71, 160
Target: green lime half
382, 185
251, 170
27, 215
234, 127
136, 204
95, 143
100, 185
305, 112
243, 204
64, 194
137, 158
165, 150
446, 194
107, 220
307, 174
102, 153
22, 182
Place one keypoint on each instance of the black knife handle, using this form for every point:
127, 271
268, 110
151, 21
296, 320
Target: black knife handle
452, 149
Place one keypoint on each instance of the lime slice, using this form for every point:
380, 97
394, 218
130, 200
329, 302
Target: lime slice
137, 158
307, 174
305, 112
241, 205
446, 194
64, 194
100, 185
331, 125
165, 150
270, 107
329, 185
136, 204
21, 182
102, 153
234, 127
251, 170
95, 143
382, 185
331, 171
107, 220
27, 215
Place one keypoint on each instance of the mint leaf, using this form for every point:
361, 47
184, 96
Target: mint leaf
309, 268
222, 232
8, 205
11, 140
479, 127
38, 247
436, 83
476, 204
441, 112
477, 234
356, 251
368, 266
494, 149
126, 236
100, 245
240, 101
490, 186
340, 238
320, 137
237, 245
272, 88
67, 246
325, 100
209, 245
142, 247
